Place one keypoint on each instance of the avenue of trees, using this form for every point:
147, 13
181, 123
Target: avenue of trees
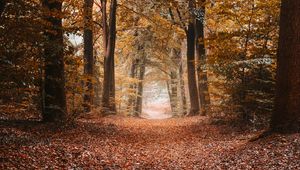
59, 59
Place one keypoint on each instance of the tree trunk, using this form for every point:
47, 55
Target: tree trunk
182, 88
88, 54
55, 97
132, 87
201, 61
112, 93
97, 88
108, 98
139, 100
173, 83
286, 116
172, 90
106, 85
192, 84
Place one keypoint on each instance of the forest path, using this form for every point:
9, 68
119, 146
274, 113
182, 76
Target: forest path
157, 111
116, 142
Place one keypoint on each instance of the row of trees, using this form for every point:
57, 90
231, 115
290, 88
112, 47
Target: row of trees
230, 51
242, 43
55, 97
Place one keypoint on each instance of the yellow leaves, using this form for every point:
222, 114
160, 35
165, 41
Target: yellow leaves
143, 22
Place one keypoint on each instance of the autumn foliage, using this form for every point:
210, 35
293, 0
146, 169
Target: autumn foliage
79, 80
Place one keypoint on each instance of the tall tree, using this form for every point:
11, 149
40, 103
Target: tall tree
109, 41
286, 116
201, 59
173, 83
55, 97
88, 53
141, 75
182, 88
133, 88
192, 84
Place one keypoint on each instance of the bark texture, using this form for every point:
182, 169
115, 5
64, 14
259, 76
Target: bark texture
133, 88
139, 99
88, 54
192, 84
55, 97
201, 63
109, 41
182, 89
172, 85
286, 116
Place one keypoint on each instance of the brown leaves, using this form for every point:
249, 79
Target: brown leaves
131, 143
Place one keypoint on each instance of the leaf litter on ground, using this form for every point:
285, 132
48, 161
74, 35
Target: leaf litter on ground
117, 142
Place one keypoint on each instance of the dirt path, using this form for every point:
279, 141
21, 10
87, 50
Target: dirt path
132, 143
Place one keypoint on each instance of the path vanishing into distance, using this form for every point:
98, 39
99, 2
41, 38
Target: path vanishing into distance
157, 111
117, 142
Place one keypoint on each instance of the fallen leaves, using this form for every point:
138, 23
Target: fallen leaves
131, 143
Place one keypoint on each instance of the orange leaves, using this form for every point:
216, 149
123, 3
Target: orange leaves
132, 143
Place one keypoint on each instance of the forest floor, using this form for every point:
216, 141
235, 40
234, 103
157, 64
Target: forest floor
117, 142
